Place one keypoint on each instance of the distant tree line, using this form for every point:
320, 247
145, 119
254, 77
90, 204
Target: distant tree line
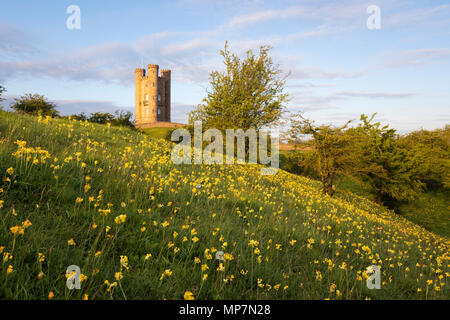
392, 167
36, 104
119, 118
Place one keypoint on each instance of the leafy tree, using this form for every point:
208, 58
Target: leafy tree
123, 118
2, 89
383, 165
34, 104
247, 94
102, 118
330, 155
430, 153
80, 116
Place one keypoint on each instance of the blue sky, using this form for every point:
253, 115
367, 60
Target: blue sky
339, 68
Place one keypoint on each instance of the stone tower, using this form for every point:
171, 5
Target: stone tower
152, 96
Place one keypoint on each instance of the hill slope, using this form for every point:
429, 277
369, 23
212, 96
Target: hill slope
110, 201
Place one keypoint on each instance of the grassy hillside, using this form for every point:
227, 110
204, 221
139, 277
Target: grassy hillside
110, 201
430, 210
158, 132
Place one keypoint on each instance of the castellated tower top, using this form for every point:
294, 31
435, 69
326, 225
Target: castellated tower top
152, 96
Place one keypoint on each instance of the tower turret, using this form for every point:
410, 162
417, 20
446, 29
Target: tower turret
152, 96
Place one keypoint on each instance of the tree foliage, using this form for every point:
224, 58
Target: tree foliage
370, 154
429, 152
34, 104
119, 118
247, 94
330, 151
384, 167
2, 89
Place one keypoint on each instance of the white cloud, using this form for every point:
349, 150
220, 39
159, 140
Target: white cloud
108, 62
373, 94
15, 43
413, 57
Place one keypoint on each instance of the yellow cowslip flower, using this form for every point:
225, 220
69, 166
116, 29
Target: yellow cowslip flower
27, 223
7, 256
195, 239
205, 276
260, 284
71, 242
10, 171
143, 229
10, 269
41, 257
83, 277
165, 224
50, 295
123, 204
120, 219
124, 262
318, 275
197, 260
188, 295
118, 276
220, 267
79, 200
97, 254
85, 296
110, 285
205, 267
94, 226
148, 256
253, 243
167, 273
228, 256
332, 287
17, 230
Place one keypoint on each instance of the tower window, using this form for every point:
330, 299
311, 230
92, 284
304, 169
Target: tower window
159, 111
146, 97
159, 97
146, 111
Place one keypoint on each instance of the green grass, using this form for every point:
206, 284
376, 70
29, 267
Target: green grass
431, 209
281, 237
158, 132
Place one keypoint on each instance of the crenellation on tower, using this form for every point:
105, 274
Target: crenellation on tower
152, 96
